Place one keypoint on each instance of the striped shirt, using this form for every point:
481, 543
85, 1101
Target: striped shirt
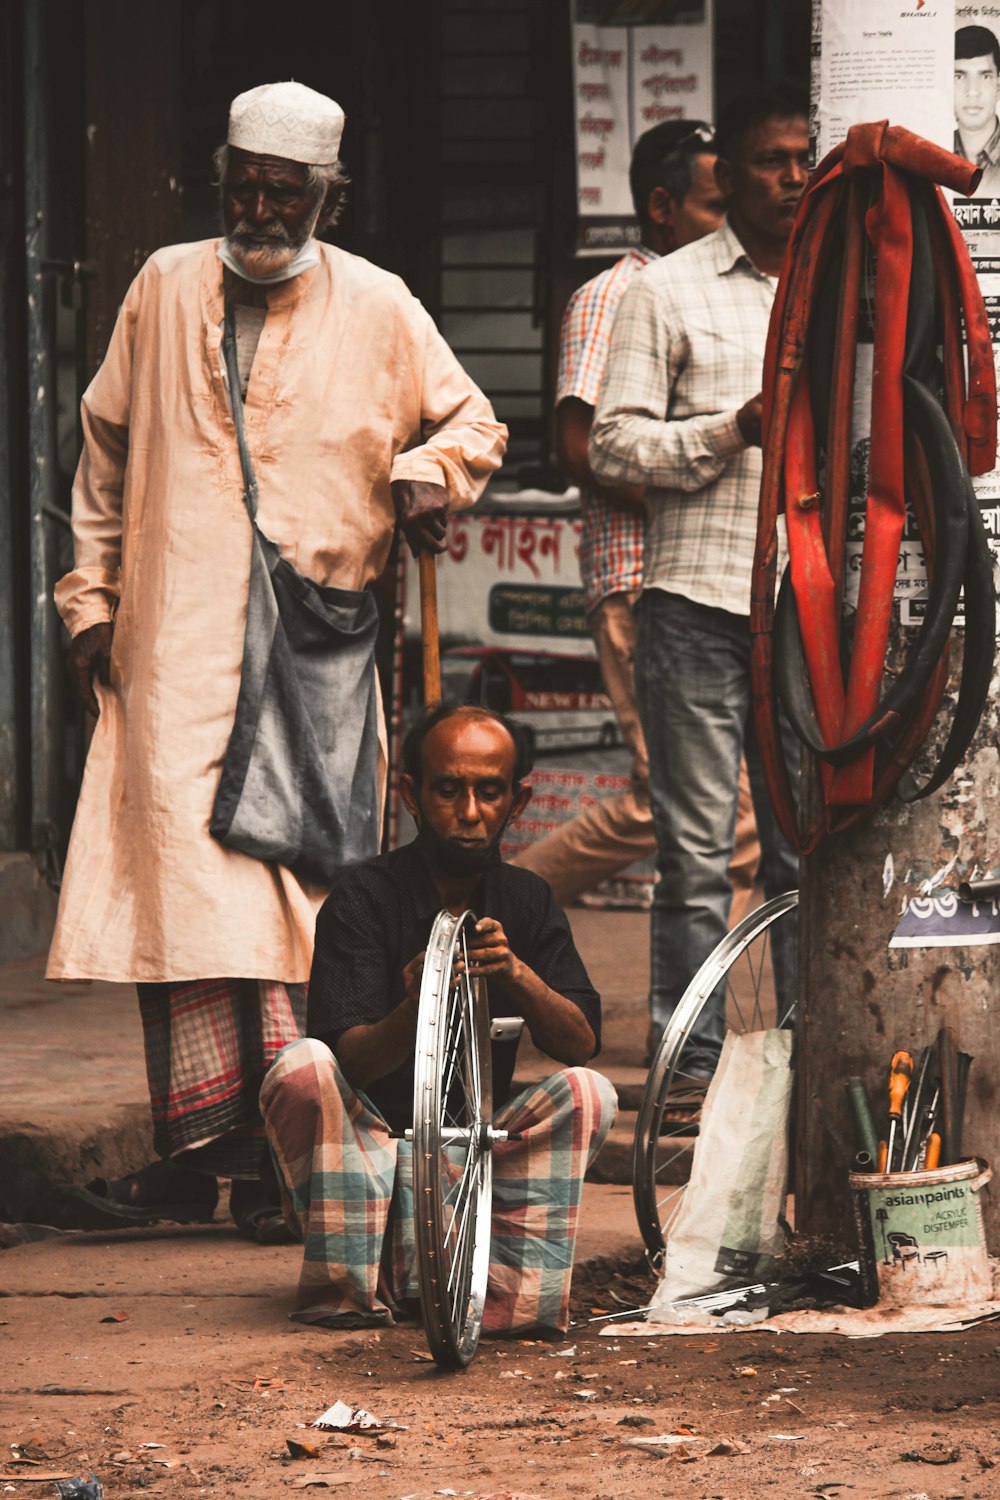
987, 157
611, 538
686, 353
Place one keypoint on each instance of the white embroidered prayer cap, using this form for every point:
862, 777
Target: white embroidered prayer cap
288, 120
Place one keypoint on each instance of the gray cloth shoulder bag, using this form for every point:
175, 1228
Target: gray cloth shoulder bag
299, 780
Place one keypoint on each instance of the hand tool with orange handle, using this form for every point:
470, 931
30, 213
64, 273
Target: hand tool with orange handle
914, 1101
900, 1074
928, 1116
924, 1133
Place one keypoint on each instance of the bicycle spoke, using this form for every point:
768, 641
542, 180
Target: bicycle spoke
461, 1271
459, 1185
757, 979
732, 997
461, 1240
453, 1036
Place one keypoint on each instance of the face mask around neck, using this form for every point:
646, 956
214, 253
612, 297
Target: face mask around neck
451, 859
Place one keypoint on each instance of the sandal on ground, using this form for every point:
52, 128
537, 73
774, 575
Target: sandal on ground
155, 1193
257, 1217
683, 1105
344, 1320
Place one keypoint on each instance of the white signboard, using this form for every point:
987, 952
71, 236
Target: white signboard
626, 79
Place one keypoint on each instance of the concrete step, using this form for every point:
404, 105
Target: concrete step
34, 1161
629, 1082
27, 908
614, 1164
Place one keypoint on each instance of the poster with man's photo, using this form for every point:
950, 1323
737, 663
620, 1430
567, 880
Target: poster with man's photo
977, 138
977, 88
935, 69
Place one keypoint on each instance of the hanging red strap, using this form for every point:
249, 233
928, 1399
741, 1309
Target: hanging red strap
878, 164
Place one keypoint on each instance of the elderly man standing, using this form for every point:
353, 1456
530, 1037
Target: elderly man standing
677, 200
680, 411
356, 414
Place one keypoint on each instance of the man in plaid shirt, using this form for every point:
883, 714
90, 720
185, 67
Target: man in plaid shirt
680, 411
677, 200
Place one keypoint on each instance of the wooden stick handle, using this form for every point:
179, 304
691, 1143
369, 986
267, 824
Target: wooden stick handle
427, 564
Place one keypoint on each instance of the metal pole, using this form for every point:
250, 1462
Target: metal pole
10, 380
45, 664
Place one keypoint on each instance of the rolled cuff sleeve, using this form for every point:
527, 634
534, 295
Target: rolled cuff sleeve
634, 439
687, 455
87, 596
463, 443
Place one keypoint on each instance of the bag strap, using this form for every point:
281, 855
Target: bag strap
236, 405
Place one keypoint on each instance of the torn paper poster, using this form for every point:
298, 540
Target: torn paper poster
945, 921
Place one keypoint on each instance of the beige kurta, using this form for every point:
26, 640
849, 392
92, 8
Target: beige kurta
352, 386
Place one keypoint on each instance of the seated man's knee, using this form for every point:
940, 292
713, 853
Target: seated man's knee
297, 1075
593, 1092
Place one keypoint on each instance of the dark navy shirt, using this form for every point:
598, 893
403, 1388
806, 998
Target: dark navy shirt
379, 915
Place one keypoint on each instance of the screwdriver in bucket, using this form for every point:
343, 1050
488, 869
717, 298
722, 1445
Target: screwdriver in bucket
900, 1074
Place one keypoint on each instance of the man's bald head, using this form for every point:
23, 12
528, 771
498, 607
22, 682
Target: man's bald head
412, 756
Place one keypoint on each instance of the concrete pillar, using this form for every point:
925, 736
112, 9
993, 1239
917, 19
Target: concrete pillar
862, 1000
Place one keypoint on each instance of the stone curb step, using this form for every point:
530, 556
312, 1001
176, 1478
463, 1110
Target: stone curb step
32, 1159
614, 1164
629, 1082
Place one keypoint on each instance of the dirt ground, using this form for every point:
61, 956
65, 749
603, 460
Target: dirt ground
222, 1381
181, 1338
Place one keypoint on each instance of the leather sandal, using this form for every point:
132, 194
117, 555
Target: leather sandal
159, 1192
683, 1106
257, 1216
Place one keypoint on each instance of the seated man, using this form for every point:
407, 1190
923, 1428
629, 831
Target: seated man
332, 1101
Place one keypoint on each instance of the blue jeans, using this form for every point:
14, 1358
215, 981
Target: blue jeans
692, 672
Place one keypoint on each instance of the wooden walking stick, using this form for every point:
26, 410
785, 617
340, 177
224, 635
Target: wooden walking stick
427, 564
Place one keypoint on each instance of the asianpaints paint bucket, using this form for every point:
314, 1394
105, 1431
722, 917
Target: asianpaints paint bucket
921, 1237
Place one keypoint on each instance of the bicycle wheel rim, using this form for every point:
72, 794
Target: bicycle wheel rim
656, 1201
452, 1179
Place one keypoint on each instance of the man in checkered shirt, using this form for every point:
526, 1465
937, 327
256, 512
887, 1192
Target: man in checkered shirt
679, 411
677, 200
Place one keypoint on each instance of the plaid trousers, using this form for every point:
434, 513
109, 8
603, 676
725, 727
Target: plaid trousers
208, 1045
340, 1170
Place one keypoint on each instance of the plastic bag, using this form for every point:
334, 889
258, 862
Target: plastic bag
727, 1230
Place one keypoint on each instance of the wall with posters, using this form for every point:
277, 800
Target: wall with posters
901, 64
630, 74
977, 136
889, 953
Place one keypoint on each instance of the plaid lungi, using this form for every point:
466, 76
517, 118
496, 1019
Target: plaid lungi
208, 1045
340, 1170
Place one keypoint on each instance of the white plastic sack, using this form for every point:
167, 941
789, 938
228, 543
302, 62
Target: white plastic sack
726, 1231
